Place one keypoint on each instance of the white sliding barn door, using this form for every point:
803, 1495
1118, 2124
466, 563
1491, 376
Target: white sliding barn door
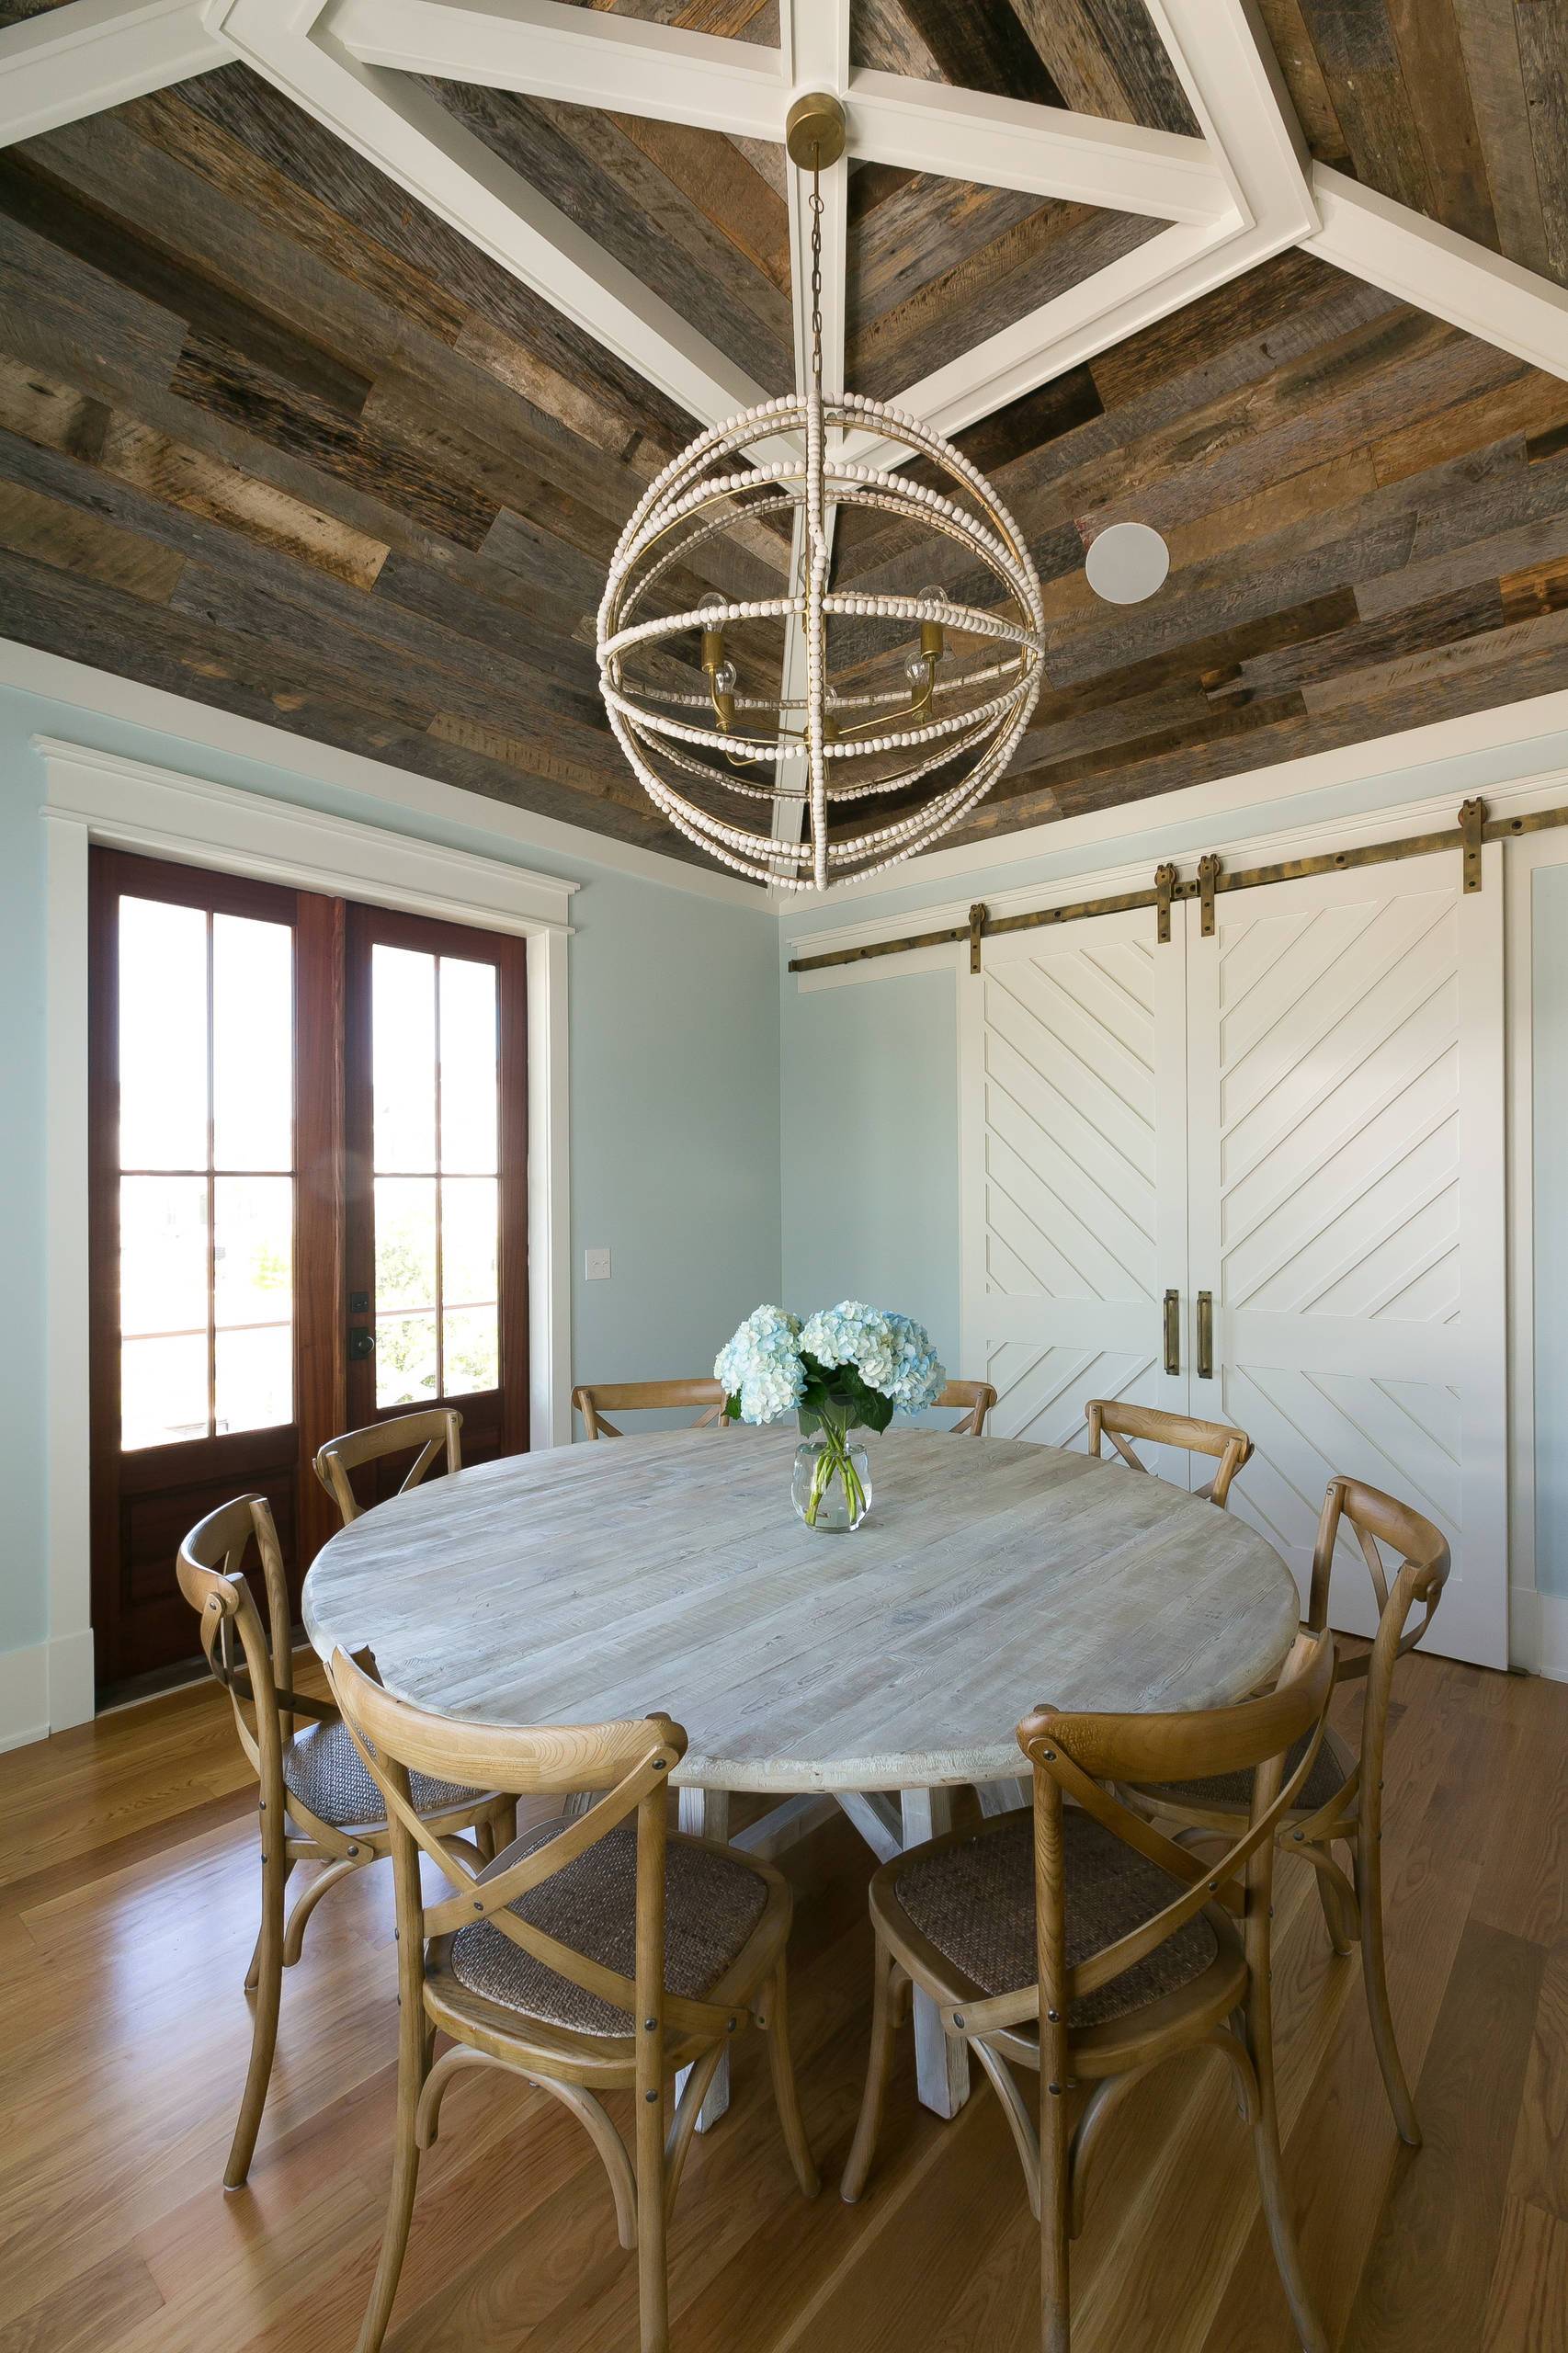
1345, 1072
1074, 1142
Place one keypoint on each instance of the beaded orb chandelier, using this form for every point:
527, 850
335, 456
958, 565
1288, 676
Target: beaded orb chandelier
838, 780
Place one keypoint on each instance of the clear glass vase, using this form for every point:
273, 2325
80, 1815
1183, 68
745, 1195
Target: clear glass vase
832, 1484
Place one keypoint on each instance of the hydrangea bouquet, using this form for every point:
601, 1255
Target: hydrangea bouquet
849, 1367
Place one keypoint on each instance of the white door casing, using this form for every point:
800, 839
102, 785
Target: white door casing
1345, 1066
1072, 1062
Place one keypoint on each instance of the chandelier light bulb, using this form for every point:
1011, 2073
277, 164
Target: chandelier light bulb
917, 670
724, 678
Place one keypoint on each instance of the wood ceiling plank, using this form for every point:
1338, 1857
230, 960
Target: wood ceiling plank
71, 540
1489, 35
921, 229
981, 45
1442, 621
713, 175
1543, 62
1432, 60
1276, 299
1360, 62
1545, 540
882, 37
213, 376
1538, 588
289, 209
1055, 248
304, 152
608, 188
1086, 42
1527, 402
1293, 45
62, 314
1437, 665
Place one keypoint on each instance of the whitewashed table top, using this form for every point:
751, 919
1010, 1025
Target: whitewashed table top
607, 1580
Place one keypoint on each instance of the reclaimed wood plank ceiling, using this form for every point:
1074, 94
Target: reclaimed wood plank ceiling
274, 437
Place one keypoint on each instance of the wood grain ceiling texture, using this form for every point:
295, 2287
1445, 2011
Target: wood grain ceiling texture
275, 437
1456, 108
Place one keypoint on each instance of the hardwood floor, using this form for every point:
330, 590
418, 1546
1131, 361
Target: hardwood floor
127, 1896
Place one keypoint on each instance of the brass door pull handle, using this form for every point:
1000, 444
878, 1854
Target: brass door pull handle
1173, 1331
1206, 1335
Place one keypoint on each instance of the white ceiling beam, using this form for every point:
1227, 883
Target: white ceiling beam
1227, 66
583, 57
77, 60
401, 129
1452, 277
1044, 150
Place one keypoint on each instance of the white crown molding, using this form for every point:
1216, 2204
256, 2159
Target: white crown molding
1443, 739
162, 813
124, 700
77, 60
1370, 236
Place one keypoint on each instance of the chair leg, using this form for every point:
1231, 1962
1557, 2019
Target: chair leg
268, 1970
1270, 2174
884, 2029
786, 2094
1333, 1914
1374, 1976
415, 2046
652, 2261
1055, 2219
253, 1974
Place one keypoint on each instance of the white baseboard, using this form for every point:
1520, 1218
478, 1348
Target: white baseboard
1538, 1631
23, 1696
47, 1688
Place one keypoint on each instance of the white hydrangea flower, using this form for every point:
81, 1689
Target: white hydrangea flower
852, 1334
919, 1377
761, 1365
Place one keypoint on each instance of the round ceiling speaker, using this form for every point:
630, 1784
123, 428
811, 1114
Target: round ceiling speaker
1126, 563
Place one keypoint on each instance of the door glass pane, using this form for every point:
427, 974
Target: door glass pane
468, 1241
163, 1389
253, 1044
468, 1067
405, 1242
402, 1058
256, 1377
406, 1360
163, 1258
253, 1250
162, 1035
470, 1358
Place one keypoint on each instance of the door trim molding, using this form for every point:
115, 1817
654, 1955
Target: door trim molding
96, 797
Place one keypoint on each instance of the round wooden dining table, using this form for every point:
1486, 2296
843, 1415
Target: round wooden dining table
593, 1582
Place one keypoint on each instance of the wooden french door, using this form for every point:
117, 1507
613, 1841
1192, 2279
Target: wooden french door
294, 1157
1293, 1124
436, 1250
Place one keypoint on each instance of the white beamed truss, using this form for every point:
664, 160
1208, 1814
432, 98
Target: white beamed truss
1243, 190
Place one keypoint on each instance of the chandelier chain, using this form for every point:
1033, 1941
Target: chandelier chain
817, 278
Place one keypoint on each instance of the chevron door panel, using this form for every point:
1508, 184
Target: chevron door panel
1344, 1053
1074, 1173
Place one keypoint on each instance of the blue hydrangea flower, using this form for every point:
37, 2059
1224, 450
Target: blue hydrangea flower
918, 1379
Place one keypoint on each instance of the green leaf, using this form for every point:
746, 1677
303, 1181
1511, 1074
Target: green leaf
732, 1407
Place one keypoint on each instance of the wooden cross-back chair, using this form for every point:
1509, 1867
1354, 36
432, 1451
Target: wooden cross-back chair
1080, 1942
977, 1399
597, 1401
427, 1436
597, 1954
1109, 1417
1342, 1799
317, 1802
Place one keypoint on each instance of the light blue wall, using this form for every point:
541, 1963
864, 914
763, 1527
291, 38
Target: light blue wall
870, 1151
1549, 941
674, 1097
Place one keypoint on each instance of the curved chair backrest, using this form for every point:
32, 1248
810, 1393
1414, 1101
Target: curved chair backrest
595, 1402
1424, 1562
427, 1435
1076, 1756
1109, 1417
975, 1399
254, 1665
629, 1763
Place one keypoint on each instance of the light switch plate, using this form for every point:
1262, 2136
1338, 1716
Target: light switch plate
596, 1266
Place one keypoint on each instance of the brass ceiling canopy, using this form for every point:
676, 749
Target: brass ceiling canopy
813, 131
